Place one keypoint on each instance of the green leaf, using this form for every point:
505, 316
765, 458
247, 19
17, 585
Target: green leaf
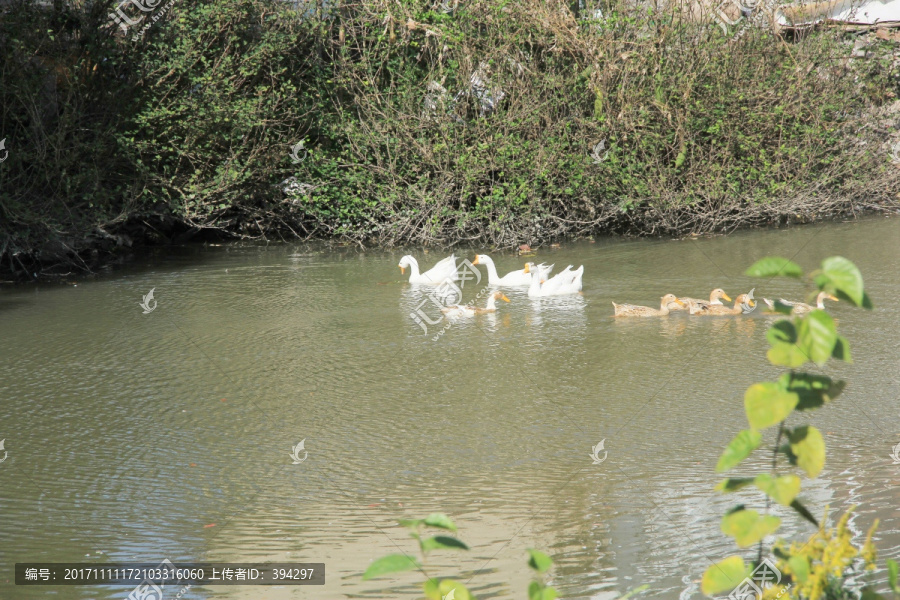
738, 449
548, 593
867, 302
747, 527
411, 523
813, 390
634, 592
845, 277
440, 520
767, 404
782, 490
392, 563
808, 446
437, 590
772, 266
892, 575
443, 542
782, 330
539, 561
817, 336
732, 484
724, 576
784, 354
842, 349
800, 568
804, 512
534, 590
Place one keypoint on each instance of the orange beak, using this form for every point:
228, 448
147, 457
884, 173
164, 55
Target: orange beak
402, 270
679, 302
504, 298
726, 297
475, 262
527, 268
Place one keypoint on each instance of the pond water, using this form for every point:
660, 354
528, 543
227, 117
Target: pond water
168, 435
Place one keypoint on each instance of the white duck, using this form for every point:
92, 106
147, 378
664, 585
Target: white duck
522, 277
566, 281
467, 310
443, 270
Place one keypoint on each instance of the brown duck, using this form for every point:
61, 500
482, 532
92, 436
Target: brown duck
721, 309
632, 310
713, 300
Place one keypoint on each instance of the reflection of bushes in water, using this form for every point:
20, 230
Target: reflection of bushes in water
426, 123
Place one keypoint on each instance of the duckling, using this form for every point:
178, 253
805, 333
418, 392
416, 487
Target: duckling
632, 310
713, 300
721, 309
801, 308
467, 310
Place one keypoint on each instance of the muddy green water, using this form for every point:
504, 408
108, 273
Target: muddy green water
140, 437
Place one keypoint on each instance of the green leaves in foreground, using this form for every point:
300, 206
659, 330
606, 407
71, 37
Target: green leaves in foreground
539, 561
892, 576
392, 563
768, 404
813, 390
782, 336
443, 542
738, 449
397, 563
536, 592
439, 520
782, 489
446, 588
747, 527
773, 266
816, 336
537, 589
724, 576
804, 512
808, 449
813, 337
842, 278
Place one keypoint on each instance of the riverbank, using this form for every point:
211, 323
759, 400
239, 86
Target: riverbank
381, 125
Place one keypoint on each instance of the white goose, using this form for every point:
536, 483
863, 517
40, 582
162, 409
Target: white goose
566, 281
522, 277
513, 278
443, 270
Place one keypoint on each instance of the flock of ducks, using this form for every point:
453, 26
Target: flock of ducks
540, 284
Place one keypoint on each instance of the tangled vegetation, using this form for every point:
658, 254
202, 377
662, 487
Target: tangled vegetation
433, 122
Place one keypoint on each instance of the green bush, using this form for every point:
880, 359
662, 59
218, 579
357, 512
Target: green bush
425, 122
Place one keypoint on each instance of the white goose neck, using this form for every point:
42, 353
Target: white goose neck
413, 266
488, 262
